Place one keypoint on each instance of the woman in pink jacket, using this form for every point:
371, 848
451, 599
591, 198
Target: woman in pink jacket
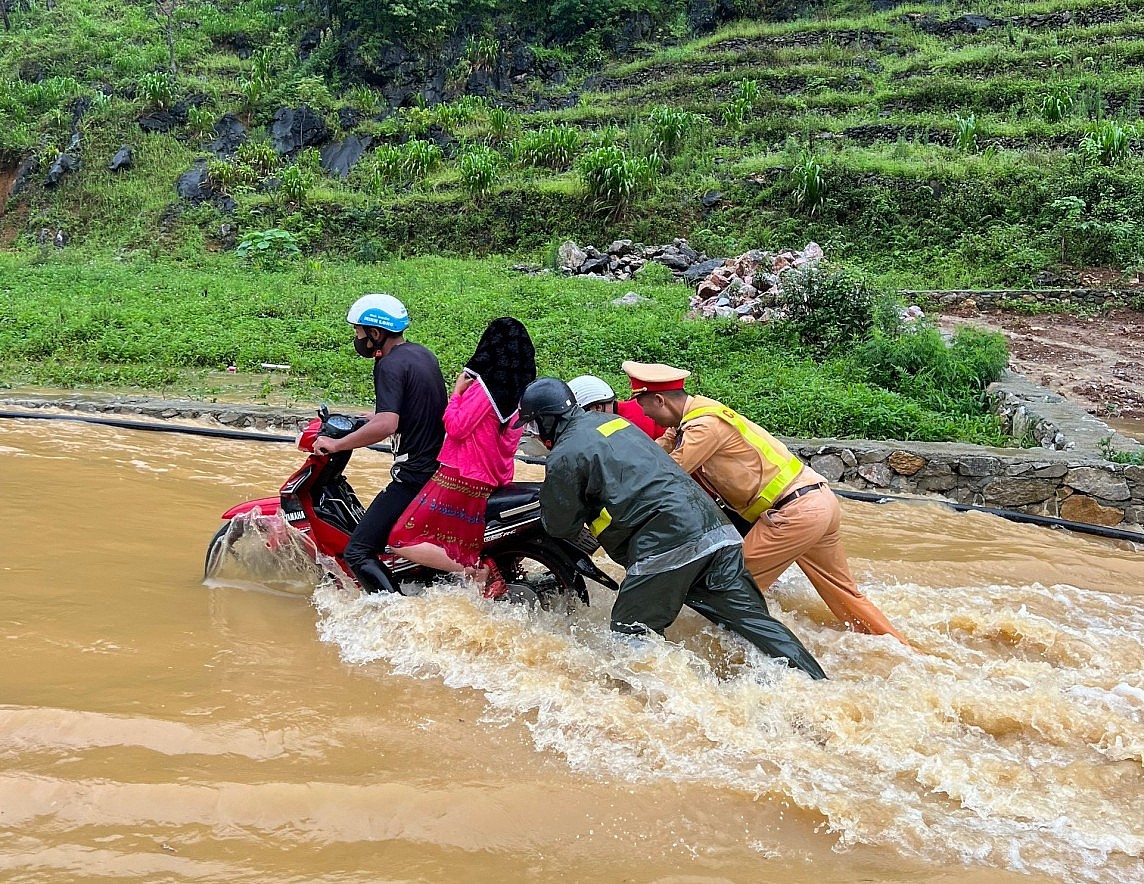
444, 527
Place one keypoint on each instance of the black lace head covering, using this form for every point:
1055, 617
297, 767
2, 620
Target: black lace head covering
504, 363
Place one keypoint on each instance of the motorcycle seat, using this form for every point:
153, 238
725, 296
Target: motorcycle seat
511, 497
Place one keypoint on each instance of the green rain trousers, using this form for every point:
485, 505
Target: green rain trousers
719, 587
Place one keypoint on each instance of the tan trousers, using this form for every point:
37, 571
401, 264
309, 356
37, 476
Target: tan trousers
805, 532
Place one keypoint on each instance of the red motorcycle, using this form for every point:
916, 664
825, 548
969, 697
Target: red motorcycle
316, 510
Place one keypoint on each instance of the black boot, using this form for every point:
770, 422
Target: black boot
373, 578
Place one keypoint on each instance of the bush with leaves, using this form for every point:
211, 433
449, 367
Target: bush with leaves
918, 363
554, 147
479, 169
269, 248
826, 308
616, 180
1106, 143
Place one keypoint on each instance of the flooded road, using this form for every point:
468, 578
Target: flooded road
156, 729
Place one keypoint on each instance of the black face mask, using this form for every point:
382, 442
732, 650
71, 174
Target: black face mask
367, 347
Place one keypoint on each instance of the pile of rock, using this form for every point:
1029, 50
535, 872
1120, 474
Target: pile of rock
624, 258
749, 287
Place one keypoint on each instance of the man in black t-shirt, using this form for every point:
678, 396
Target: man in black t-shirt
410, 401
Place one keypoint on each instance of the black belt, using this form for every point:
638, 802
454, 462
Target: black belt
794, 495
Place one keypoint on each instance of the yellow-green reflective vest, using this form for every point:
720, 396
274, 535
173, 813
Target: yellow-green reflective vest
788, 467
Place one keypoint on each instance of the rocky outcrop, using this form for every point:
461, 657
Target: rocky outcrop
123, 160
293, 129
338, 157
230, 134
624, 258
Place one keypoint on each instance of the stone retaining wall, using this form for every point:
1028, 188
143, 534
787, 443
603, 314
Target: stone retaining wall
991, 299
1048, 483
1062, 484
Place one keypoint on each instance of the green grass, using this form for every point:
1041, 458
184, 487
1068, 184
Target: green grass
130, 320
907, 207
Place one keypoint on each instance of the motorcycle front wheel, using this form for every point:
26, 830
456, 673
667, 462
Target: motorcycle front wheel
545, 569
265, 548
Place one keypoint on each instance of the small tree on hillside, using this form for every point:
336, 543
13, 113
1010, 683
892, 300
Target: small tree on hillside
165, 12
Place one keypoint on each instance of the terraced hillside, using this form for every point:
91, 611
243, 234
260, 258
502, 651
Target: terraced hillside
933, 144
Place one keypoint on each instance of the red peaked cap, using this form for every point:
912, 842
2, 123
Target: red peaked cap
654, 377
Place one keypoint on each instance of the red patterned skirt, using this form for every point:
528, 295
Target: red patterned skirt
448, 512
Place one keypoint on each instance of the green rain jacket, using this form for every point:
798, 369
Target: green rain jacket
646, 512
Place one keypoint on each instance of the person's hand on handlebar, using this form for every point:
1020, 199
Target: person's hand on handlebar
326, 445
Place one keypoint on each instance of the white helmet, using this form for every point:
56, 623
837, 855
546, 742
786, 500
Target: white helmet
590, 390
379, 311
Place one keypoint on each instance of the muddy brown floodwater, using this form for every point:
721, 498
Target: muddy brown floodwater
153, 728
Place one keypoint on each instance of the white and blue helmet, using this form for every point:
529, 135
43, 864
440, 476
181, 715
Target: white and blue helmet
379, 311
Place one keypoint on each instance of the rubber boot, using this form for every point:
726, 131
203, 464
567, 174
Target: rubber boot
373, 578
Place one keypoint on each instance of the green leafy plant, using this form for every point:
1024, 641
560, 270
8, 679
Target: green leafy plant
269, 248
391, 164
917, 362
502, 123
615, 180
200, 121
1106, 143
311, 270
157, 89
295, 180
965, 136
419, 158
828, 309
259, 156
741, 106
481, 53
808, 183
1057, 104
554, 147
364, 99
670, 127
1110, 452
479, 169
1070, 219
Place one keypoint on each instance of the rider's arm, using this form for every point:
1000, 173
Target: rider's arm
380, 426
465, 410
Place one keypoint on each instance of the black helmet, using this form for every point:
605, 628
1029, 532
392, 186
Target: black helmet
547, 401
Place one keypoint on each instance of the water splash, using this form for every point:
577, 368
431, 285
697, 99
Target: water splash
1012, 737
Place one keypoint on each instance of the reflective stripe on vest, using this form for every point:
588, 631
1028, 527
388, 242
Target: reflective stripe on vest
611, 426
788, 468
603, 520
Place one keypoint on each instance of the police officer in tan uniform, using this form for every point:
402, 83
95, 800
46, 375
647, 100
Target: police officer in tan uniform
793, 515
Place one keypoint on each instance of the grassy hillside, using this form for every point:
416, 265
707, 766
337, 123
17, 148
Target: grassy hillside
935, 144
923, 145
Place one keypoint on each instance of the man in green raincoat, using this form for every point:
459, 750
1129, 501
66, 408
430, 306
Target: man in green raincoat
652, 519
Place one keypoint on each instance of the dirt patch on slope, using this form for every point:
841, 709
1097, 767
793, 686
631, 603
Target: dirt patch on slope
1095, 361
